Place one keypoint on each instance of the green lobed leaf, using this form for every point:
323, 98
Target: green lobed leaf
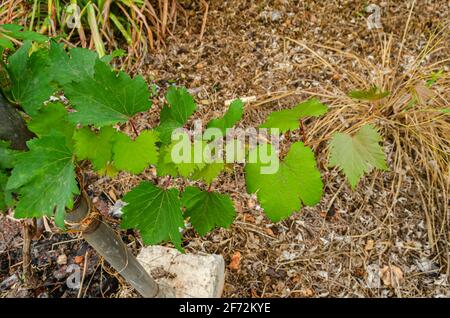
96, 147
155, 212
358, 154
44, 178
289, 119
107, 98
296, 182
136, 155
231, 117
374, 93
31, 82
174, 115
208, 210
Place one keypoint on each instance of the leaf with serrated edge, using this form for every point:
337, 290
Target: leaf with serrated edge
296, 182
289, 119
174, 115
358, 154
135, 156
231, 117
44, 178
96, 147
208, 210
107, 98
155, 212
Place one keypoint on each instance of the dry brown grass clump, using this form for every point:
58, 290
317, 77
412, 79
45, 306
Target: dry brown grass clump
413, 119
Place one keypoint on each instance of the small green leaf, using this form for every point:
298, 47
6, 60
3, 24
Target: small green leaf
155, 212
135, 156
107, 98
96, 147
231, 117
44, 178
289, 119
175, 115
296, 182
358, 154
374, 93
208, 210
434, 77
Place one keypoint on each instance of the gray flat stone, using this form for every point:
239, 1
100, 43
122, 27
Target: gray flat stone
184, 275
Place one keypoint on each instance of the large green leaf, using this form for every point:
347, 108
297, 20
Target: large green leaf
289, 119
155, 212
231, 117
208, 209
107, 98
31, 82
44, 178
136, 155
174, 115
296, 182
358, 154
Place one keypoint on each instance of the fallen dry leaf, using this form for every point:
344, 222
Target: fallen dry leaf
79, 259
235, 261
369, 245
391, 275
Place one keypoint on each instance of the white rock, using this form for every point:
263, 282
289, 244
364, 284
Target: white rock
184, 275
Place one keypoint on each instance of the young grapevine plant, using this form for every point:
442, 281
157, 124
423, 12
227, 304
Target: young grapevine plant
82, 124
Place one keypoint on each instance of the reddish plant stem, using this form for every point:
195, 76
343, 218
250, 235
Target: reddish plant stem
167, 182
302, 128
134, 128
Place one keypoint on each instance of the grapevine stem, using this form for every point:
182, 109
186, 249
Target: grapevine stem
302, 128
134, 128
